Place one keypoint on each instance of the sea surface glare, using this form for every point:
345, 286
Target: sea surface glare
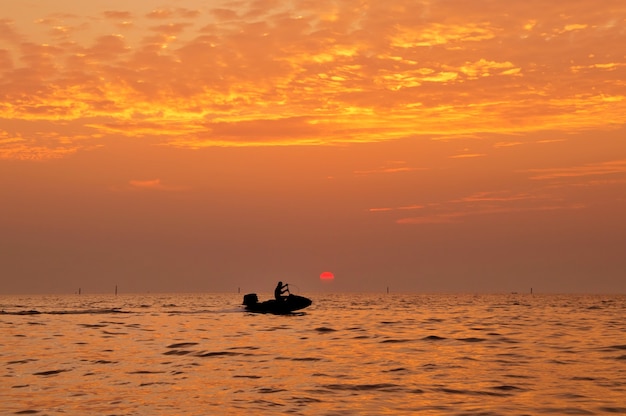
347, 354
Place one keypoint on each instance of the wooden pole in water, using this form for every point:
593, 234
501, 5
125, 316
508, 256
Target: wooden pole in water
115, 290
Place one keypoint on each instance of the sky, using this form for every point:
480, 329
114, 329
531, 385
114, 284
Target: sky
213, 146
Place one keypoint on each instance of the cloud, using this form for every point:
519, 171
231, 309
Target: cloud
467, 155
484, 68
8, 31
496, 197
478, 204
224, 14
317, 74
613, 167
160, 14
508, 144
432, 219
458, 216
171, 29
170, 13
19, 148
146, 184
117, 15
400, 208
440, 34
396, 166
152, 185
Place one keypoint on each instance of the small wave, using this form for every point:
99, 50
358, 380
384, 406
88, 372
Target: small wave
507, 387
146, 372
571, 396
305, 400
506, 340
472, 392
93, 325
395, 370
68, 312
433, 338
105, 362
177, 352
152, 383
361, 387
30, 312
87, 312
617, 347
325, 329
620, 410
269, 390
471, 339
114, 333
565, 411
218, 354
248, 347
268, 403
49, 372
182, 345
24, 361
395, 341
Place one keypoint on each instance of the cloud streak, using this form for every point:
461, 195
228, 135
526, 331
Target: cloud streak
609, 168
455, 217
147, 185
478, 204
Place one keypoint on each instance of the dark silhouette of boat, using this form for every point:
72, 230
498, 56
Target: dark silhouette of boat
285, 305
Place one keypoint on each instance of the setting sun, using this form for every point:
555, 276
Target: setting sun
327, 276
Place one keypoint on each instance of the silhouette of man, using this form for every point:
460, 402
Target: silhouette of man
280, 289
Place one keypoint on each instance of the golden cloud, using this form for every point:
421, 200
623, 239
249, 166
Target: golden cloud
271, 74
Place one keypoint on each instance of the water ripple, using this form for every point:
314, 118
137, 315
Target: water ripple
350, 354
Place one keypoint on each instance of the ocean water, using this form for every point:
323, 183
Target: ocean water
348, 354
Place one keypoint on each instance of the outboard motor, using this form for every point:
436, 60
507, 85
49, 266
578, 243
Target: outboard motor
250, 299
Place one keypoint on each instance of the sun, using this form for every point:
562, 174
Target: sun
327, 276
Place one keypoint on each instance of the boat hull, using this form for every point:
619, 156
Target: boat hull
287, 305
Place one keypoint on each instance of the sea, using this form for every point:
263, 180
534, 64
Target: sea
347, 354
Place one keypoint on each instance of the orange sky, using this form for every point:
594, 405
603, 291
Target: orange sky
208, 145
